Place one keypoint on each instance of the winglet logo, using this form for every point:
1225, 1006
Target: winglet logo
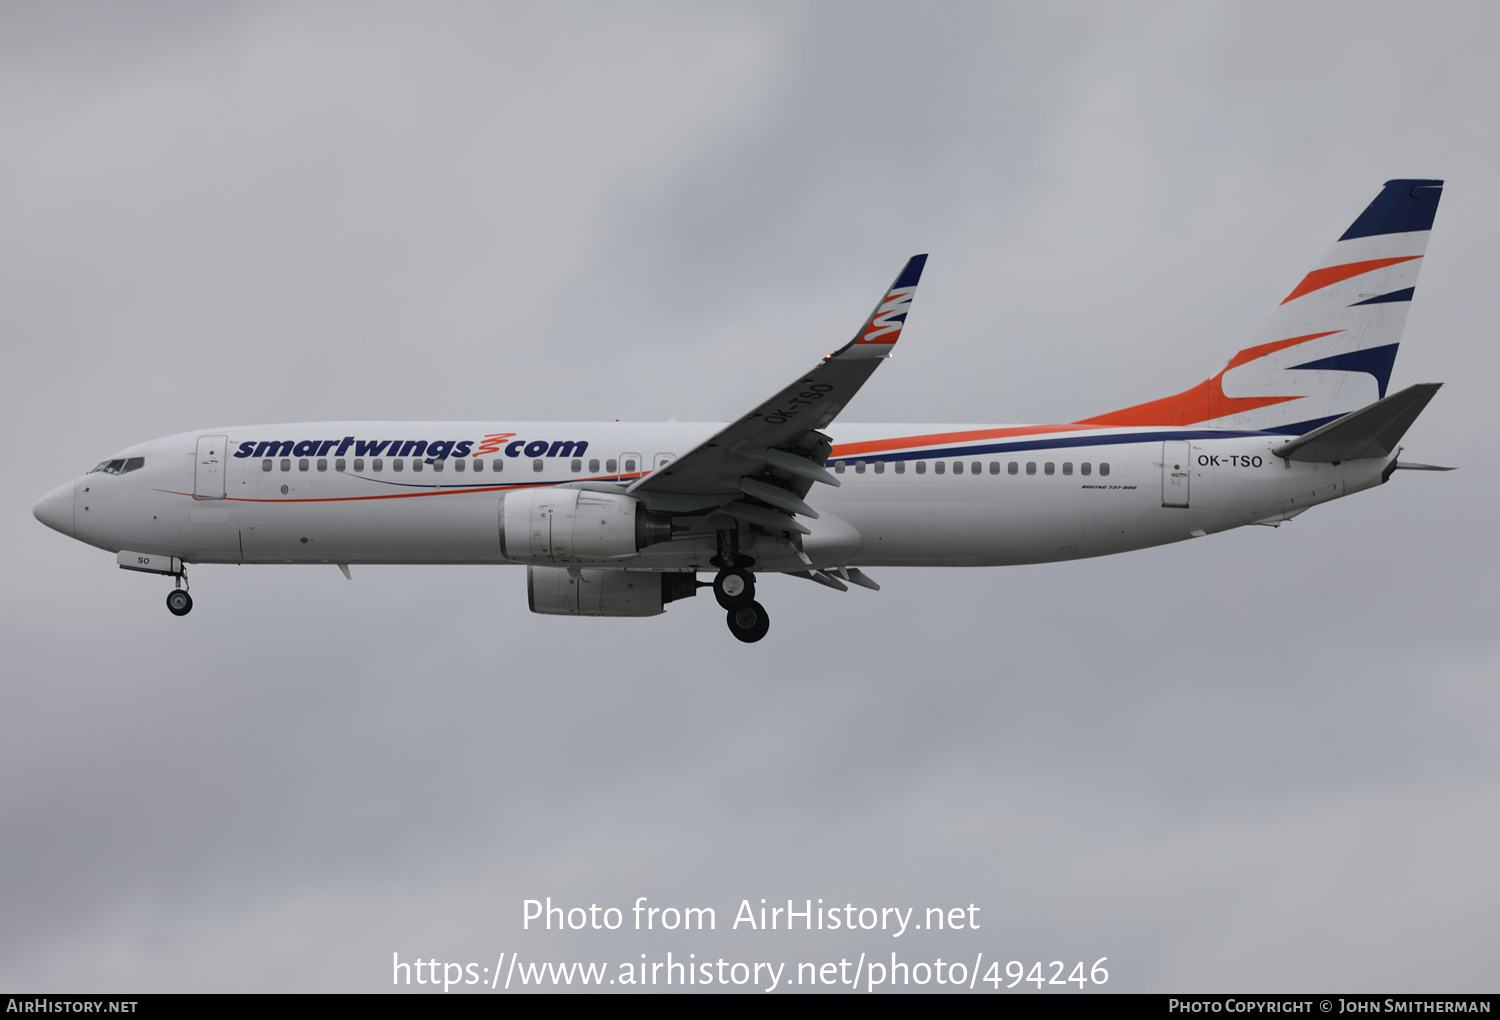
889, 317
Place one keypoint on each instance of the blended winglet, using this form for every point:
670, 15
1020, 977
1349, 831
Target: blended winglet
883, 328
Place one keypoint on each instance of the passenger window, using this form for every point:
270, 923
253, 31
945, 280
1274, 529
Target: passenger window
339, 464
838, 466
859, 467
303, 465
900, 467
1012, 468
397, 463
265, 465
416, 463
1067, 467
497, 465
377, 464
1085, 468
1104, 469
458, 465
576, 466
994, 467
958, 467
976, 467
478, 464
1031, 467
359, 463
536, 465
437, 465
629, 465
322, 463
611, 466
938, 467
1050, 468
921, 467
593, 467
880, 467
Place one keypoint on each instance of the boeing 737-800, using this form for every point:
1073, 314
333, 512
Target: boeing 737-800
618, 519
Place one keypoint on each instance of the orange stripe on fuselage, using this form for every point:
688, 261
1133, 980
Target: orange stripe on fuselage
1320, 278
948, 438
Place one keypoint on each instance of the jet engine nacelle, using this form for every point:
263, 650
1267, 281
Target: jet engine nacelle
558, 591
558, 526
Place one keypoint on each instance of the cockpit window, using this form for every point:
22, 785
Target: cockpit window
120, 466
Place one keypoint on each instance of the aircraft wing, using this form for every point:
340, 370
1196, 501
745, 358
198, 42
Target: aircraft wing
770, 457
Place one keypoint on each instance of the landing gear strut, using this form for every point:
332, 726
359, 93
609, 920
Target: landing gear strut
179, 602
734, 587
749, 622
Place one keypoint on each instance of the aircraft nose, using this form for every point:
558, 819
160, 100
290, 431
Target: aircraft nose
56, 509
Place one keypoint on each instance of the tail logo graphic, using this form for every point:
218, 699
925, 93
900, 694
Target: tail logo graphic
1320, 278
1344, 319
1207, 400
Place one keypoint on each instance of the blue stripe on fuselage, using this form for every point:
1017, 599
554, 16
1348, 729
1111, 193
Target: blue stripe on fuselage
1060, 443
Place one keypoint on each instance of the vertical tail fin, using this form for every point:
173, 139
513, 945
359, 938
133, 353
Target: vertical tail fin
1330, 345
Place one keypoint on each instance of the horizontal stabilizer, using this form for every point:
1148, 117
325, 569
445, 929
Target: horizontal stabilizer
1372, 431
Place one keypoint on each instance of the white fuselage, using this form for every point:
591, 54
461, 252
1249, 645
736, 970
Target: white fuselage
911, 495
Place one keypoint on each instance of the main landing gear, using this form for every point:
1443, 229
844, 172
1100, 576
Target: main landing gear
734, 587
749, 622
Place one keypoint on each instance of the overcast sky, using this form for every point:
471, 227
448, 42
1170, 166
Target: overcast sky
1265, 760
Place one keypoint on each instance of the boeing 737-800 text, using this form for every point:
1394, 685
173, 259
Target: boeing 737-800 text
618, 519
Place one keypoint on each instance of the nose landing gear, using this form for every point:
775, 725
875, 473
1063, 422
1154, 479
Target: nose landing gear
179, 602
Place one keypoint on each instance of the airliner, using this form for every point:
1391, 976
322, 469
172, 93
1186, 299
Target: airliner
619, 519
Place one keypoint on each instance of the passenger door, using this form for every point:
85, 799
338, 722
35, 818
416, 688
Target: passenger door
208, 469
